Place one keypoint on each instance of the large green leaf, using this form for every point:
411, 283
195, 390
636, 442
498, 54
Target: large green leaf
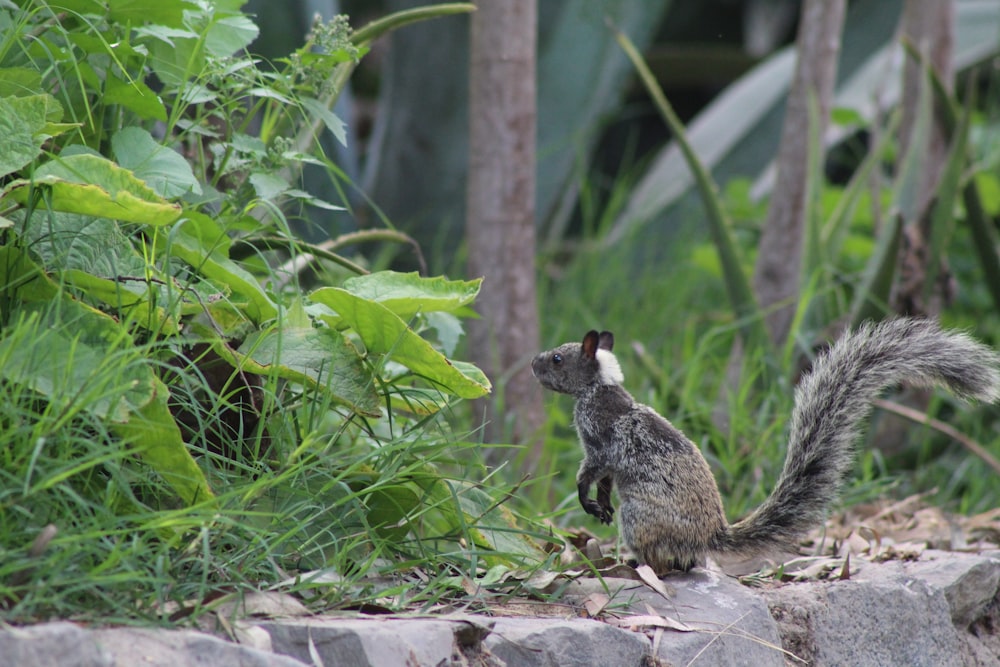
73, 241
407, 294
164, 170
91, 185
198, 246
130, 299
19, 144
21, 279
163, 12
383, 332
319, 358
67, 359
229, 34
136, 96
178, 54
95, 256
18, 81
153, 430
464, 509
74, 355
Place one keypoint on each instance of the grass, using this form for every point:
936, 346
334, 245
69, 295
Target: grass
367, 504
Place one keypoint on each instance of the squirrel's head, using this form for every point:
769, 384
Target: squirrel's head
573, 367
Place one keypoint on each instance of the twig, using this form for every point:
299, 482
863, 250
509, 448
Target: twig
922, 418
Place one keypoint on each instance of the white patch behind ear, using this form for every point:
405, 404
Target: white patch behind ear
611, 370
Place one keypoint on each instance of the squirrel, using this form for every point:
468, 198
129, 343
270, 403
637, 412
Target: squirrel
671, 513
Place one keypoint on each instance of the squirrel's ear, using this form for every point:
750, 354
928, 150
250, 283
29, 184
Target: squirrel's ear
606, 341
590, 344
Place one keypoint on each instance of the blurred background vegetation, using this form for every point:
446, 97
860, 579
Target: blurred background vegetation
345, 491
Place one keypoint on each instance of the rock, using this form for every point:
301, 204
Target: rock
381, 641
67, 645
861, 623
532, 642
969, 581
912, 613
153, 647
51, 645
729, 623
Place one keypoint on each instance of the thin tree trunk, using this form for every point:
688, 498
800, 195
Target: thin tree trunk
500, 223
777, 274
930, 26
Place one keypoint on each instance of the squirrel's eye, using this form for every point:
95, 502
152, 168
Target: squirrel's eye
557, 359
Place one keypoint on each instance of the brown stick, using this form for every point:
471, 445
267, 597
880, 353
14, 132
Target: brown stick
950, 431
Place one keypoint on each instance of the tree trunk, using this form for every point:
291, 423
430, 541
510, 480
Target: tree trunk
929, 25
500, 222
777, 274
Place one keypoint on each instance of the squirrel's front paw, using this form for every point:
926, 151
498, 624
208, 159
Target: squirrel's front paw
604, 513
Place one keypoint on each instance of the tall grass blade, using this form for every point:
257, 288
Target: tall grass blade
738, 287
984, 235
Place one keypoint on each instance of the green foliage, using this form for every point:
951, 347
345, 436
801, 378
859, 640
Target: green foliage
179, 418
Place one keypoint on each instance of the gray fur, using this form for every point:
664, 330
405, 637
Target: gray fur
671, 513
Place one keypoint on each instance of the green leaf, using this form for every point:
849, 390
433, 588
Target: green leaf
230, 34
136, 96
95, 256
18, 142
166, 34
163, 169
319, 358
383, 332
21, 279
153, 430
75, 353
132, 300
321, 112
19, 81
388, 506
93, 200
207, 255
72, 241
268, 186
92, 185
407, 294
163, 12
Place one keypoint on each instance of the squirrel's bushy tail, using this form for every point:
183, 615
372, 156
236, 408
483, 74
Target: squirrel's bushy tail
835, 398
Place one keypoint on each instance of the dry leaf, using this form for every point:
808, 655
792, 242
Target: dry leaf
541, 579
648, 621
595, 603
649, 578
